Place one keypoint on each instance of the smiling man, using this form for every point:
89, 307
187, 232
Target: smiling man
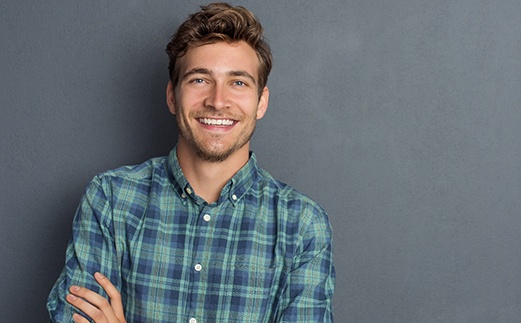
204, 234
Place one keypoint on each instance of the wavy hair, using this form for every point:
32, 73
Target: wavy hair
220, 22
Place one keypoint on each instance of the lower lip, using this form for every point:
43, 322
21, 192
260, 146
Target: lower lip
221, 128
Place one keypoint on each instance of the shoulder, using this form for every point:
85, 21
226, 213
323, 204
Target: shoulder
123, 188
297, 206
132, 176
285, 192
136, 172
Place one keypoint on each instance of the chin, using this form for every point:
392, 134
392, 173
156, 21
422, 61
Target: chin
217, 155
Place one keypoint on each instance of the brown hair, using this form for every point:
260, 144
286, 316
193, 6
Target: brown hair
220, 22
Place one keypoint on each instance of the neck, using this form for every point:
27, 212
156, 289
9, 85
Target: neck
208, 178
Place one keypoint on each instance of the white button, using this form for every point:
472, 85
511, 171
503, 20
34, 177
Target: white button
193, 320
183, 195
234, 197
198, 267
188, 190
207, 217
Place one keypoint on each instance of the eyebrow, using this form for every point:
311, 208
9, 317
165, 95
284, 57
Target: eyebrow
205, 71
243, 74
196, 71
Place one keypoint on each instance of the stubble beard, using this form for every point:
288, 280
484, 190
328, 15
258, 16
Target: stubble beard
205, 151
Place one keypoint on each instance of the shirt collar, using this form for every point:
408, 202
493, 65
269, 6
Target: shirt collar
234, 190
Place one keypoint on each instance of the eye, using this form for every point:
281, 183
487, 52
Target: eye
239, 83
197, 81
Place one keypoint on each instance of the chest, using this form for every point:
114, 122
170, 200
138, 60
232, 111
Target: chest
207, 261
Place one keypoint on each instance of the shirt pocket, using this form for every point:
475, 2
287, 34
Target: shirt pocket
253, 287
254, 277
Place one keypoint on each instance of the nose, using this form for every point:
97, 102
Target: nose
217, 97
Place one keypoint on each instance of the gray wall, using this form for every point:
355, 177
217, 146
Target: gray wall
402, 118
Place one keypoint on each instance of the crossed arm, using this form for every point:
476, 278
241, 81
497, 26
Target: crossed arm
306, 294
96, 306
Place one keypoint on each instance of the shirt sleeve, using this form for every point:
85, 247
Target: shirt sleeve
308, 294
90, 249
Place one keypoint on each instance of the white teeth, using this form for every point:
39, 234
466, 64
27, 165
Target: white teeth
216, 122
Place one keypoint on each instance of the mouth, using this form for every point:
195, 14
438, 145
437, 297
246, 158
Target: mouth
217, 122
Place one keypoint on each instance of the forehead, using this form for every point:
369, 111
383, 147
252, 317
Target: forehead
221, 58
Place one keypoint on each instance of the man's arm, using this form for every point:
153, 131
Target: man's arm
91, 249
308, 294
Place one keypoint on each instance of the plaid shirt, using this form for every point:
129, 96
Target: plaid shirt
261, 253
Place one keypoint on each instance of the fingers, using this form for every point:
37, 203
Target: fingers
79, 319
114, 295
96, 306
90, 303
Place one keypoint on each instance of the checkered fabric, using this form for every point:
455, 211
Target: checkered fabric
261, 253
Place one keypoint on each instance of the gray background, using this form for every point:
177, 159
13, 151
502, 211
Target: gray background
402, 118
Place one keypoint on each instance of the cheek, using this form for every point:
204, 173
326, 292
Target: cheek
249, 105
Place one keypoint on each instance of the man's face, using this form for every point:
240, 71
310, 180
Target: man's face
216, 100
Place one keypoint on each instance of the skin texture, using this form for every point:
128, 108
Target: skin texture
217, 82
96, 306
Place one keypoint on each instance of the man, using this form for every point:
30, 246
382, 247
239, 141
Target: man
204, 234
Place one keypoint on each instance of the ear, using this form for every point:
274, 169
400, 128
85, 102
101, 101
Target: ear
170, 97
263, 103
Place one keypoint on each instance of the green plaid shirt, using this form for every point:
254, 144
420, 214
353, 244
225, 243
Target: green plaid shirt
261, 253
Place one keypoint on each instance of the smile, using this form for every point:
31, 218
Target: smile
216, 122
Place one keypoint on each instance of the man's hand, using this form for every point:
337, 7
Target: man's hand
94, 305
